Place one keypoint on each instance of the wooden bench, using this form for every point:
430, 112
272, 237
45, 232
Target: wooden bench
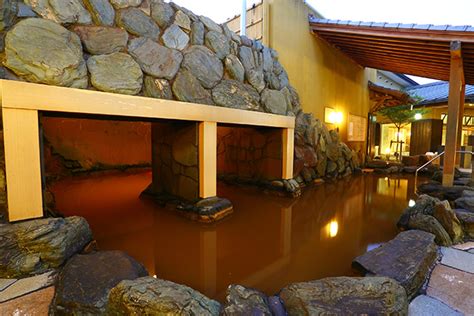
22, 102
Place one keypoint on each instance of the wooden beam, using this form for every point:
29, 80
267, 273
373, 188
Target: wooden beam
288, 138
455, 112
396, 33
22, 164
207, 159
22, 95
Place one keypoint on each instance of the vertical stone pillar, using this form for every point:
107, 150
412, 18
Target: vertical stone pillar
175, 159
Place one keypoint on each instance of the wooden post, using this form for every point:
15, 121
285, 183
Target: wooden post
207, 159
22, 164
288, 139
455, 112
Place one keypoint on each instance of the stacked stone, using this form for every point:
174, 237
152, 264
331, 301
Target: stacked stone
319, 152
160, 50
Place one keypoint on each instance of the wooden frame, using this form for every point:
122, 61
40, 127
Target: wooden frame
23, 101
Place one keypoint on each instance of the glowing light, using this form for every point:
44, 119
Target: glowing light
387, 151
154, 275
335, 117
386, 178
411, 203
418, 116
333, 228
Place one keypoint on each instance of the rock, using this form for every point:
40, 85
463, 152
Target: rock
256, 79
154, 59
218, 43
174, 37
429, 224
157, 88
204, 65
187, 88
116, 73
344, 295
467, 221
247, 58
100, 40
197, 33
245, 301
25, 11
235, 94
446, 217
36, 303
427, 306
8, 11
210, 24
182, 20
42, 51
154, 296
121, 4
234, 68
162, 13
407, 258
442, 192
377, 164
101, 11
274, 102
425, 204
66, 11
84, 283
33, 247
136, 22
465, 202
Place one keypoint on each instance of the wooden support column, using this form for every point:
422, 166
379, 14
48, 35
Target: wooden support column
22, 164
455, 112
288, 140
207, 159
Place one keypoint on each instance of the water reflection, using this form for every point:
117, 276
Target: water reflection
267, 243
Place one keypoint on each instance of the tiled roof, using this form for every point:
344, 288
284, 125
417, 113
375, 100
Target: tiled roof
437, 92
431, 27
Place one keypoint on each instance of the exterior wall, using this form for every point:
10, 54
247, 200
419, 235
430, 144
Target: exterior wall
322, 75
254, 22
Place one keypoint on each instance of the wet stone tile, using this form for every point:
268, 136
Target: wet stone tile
28, 285
458, 259
453, 287
427, 306
36, 303
4, 283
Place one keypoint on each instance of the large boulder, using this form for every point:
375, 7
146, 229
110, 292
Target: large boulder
467, 221
218, 43
407, 258
245, 301
8, 12
117, 73
157, 88
237, 95
162, 13
66, 11
136, 22
430, 224
344, 295
32, 247
120, 4
155, 59
101, 11
443, 193
42, 51
447, 218
100, 40
234, 68
187, 88
204, 65
466, 201
84, 283
274, 101
150, 296
174, 37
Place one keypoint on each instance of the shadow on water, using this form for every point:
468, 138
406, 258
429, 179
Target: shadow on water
267, 243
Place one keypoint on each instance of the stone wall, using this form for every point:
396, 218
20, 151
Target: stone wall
250, 154
159, 50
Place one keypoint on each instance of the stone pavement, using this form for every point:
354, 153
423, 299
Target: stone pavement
450, 289
28, 296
